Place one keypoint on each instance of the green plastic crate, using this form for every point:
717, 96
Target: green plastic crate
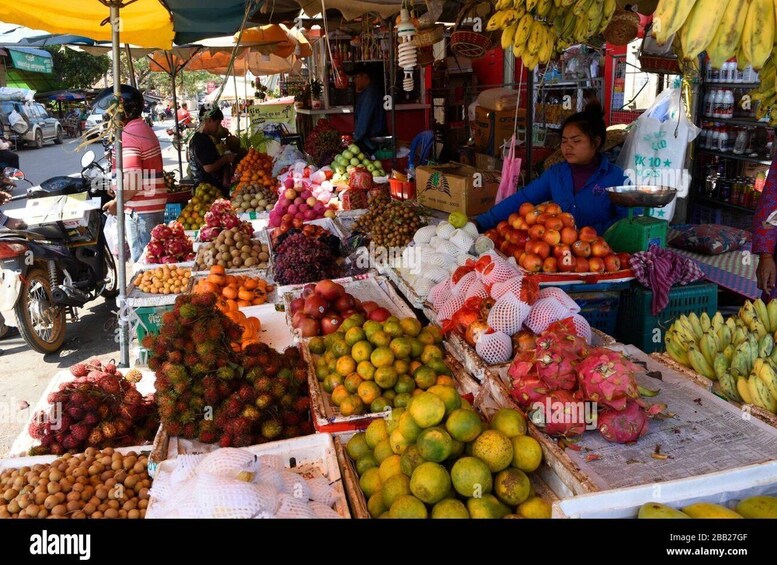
637, 325
600, 309
149, 319
637, 234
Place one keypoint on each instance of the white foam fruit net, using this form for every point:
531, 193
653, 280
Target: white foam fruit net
562, 297
544, 313
508, 314
461, 287
494, 348
423, 286
462, 259
462, 240
437, 259
448, 248
582, 328
435, 274
512, 285
449, 308
234, 483
440, 293
477, 288
500, 272
444, 230
471, 229
425, 234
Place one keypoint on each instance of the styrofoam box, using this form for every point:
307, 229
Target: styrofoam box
275, 330
725, 488
25, 441
317, 451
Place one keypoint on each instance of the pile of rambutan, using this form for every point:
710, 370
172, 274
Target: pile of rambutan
100, 408
209, 392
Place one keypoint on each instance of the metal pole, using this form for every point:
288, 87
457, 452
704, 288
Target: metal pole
237, 100
122, 273
174, 71
529, 121
131, 66
393, 93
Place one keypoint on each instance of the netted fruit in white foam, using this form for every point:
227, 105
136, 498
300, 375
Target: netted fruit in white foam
445, 230
477, 288
494, 348
423, 286
434, 273
449, 308
462, 259
425, 234
462, 240
435, 241
471, 229
544, 313
561, 296
508, 314
437, 259
449, 248
440, 293
483, 244
582, 328
512, 285
462, 285
498, 271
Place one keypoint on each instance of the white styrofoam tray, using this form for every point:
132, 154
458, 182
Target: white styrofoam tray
137, 299
315, 451
275, 330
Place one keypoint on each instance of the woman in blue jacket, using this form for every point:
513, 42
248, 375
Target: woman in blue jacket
577, 184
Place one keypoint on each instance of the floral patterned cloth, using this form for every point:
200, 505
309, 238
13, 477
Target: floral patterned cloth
658, 269
710, 239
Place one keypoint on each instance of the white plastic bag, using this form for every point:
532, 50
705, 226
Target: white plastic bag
18, 123
654, 151
111, 231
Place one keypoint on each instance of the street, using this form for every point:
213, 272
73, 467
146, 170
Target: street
24, 373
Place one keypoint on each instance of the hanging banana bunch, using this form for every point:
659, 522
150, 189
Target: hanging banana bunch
536, 30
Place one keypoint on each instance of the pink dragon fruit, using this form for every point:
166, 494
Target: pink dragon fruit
212, 220
176, 228
210, 233
608, 378
169, 259
178, 248
559, 414
528, 390
623, 426
556, 370
156, 248
558, 338
230, 221
247, 228
161, 232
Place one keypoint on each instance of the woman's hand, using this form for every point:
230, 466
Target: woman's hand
766, 273
110, 207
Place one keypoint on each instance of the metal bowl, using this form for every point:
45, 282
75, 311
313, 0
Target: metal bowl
633, 196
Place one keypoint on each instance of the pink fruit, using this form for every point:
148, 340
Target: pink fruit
299, 200
310, 215
380, 315
308, 327
289, 182
311, 202
559, 414
161, 232
608, 378
293, 209
528, 390
155, 248
302, 208
329, 290
556, 370
305, 194
623, 426
296, 305
290, 194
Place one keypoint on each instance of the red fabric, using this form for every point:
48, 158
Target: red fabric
581, 174
184, 117
658, 269
143, 168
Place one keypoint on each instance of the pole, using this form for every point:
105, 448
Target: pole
131, 65
174, 71
122, 273
237, 100
393, 94
529, 121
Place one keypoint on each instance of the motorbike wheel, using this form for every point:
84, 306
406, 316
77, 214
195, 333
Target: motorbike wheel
111, 289
40, 322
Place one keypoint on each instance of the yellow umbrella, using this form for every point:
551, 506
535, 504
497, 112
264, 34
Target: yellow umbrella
146, 23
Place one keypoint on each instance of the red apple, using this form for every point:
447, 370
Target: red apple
344, 303
612, 263
308, 289
588, 234
308, 327
330, 324
315, 306
330, 290
596, 264
380, 315
369, 306
502, 227
296, 305
560, 249
567, 262
296, 317
600, 248
624, 259
550, 265
582, 265
297, 223
581, 249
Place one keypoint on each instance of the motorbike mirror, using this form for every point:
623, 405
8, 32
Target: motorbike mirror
87, 159
12, 173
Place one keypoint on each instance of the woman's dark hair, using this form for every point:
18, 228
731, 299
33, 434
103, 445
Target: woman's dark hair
590, 121
214, 114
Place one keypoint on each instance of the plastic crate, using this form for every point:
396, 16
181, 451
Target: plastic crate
402, 190
600, 309
172, 211
637, 234
637, 325
149, 319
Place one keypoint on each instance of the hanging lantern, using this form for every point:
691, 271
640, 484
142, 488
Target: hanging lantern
408, 55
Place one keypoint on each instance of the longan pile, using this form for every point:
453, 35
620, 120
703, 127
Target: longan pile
390, 223
233, 249
93, 484
164, 280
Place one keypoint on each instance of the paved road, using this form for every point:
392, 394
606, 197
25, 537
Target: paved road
24, 374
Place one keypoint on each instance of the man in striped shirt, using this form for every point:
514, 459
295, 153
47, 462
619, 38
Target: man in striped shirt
145, 195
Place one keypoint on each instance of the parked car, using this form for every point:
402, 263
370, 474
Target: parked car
41, 127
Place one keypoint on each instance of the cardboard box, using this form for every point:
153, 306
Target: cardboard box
492, 128
457, 188
77, 218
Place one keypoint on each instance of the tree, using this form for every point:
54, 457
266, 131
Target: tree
76, 69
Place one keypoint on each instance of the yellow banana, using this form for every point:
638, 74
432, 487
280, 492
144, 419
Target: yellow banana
731, 325
669, 16
494, 22
546, 49
507, 35
509, 18
729, 353
728, 385
695, 324
700, 364
747, 313
743, 389
700, 26
530, 5
761, 312
760, 329
518, 50
753, 343
718, 321
708, 347
522, 32
758, 33
677, 354
740, 362
705, 321
720, 365
567, 3
536, 36
758, 364
724, 336
504, 4
530, 60
609, 12
761, 395
543, 7
769, 377
581, 7
771, 308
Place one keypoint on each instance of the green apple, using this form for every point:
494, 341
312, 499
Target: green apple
370, 167
347, 155
360, 156
353, 148
349, 169
458, 219
355, 162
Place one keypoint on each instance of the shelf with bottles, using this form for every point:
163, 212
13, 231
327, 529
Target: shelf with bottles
730, 75
744, 158
727, 184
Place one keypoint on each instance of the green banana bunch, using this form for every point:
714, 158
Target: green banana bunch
720, 365
765, 346
724, 337
728, 386
729, 352
700, 363
740, 362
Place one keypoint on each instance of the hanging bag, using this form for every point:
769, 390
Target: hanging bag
511, 166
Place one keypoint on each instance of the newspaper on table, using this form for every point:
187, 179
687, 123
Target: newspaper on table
706, 434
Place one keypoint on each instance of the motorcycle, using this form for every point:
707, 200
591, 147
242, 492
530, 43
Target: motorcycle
46, 273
